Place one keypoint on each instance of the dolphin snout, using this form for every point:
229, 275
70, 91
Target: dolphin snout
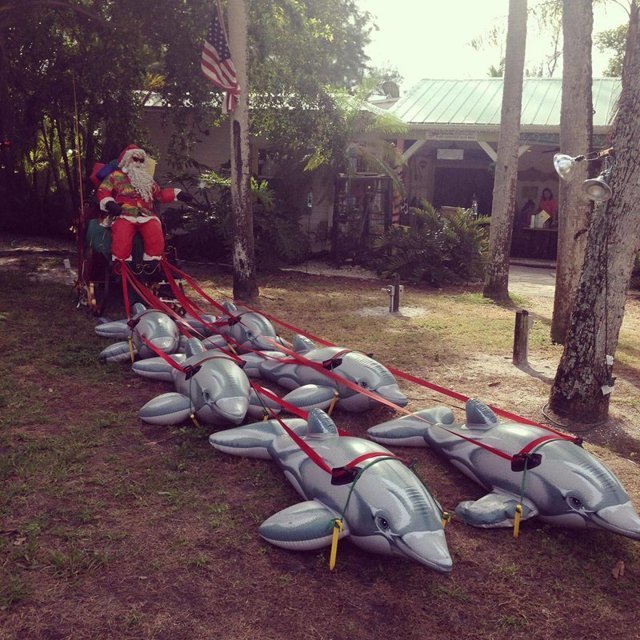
620, 518
428, 548
233, 409
392, 393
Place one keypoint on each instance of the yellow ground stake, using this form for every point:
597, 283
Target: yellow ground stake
337, 530
516, 521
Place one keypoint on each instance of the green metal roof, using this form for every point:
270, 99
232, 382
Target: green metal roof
479, 102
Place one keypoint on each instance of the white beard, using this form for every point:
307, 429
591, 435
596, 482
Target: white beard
141, 180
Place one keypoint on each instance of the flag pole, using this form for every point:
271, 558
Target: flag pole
245, 286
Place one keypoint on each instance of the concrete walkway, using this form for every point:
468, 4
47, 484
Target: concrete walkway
531, 278
532, 281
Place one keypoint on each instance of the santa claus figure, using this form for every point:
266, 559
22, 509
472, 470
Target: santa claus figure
128, 195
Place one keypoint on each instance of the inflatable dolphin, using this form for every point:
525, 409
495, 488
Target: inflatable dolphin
562, 483
383, 505
211, 387
354, 366
151, 325
245, 330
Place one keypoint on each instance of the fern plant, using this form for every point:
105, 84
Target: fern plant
438, 248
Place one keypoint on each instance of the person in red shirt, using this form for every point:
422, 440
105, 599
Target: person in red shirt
128, 195
547, 203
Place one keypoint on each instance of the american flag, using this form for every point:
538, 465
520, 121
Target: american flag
216, 61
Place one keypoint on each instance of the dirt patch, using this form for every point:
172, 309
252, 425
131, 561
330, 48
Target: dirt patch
110, 528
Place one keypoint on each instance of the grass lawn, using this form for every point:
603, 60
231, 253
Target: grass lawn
110, 528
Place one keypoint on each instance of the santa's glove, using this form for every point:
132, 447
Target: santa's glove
113, 208
183, 196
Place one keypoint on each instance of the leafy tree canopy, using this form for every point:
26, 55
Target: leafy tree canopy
115, 52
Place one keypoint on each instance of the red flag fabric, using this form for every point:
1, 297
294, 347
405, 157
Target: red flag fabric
216, 62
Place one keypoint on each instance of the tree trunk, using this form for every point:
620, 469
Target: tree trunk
245, 287
585, 374
576, 128
504, 187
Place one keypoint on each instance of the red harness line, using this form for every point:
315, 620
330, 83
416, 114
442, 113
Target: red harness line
309, 451
419, 381
397, 372
151, 299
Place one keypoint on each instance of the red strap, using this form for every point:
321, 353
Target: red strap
373, 454
152, 300
339, 379
163, 355
534, 444
196, 287
498, 452
397, 372
296, 411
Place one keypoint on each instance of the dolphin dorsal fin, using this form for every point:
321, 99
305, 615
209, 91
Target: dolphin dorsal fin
479, 415
193, 347
318, 422
302, 344
138, 308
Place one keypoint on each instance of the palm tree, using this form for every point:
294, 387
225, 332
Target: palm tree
576, 127
504, 187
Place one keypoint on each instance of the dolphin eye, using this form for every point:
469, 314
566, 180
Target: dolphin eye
574, 503
383, 523
363, 383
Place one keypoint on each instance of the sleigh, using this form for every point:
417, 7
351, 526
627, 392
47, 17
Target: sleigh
99, 281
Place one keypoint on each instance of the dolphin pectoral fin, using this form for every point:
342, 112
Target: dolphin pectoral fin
261, 405
118, 352
302, 527
252, 364
409, 431
311, 396
253, 440
166, 409
116, 330
493, 510
157, 368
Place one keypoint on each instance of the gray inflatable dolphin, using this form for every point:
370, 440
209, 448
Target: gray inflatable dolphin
563, 484
245, 330
212, 387
354, 366
385, 509
154, 326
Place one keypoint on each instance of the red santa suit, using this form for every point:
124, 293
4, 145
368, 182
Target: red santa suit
132, 187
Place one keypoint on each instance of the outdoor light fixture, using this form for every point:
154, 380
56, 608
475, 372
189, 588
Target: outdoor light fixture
595, 189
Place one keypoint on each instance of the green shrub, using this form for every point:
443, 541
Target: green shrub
205, 228
437, 248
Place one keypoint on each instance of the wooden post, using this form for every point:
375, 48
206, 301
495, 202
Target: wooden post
521, 338
395, 296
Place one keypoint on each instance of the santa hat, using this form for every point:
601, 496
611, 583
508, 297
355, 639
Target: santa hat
127, 153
